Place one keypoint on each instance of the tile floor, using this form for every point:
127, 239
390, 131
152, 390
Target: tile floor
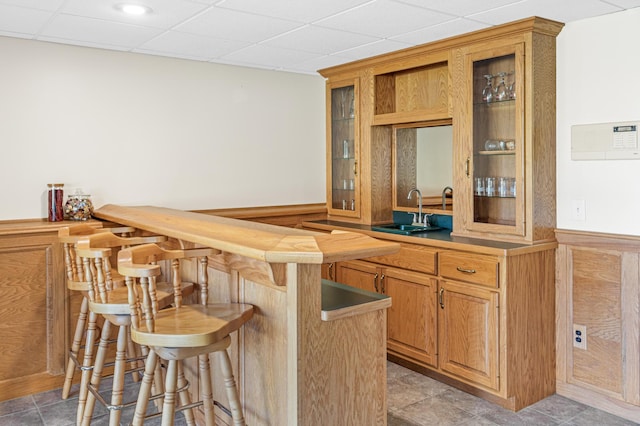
413, 400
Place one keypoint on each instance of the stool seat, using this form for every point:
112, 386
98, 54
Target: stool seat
194, 325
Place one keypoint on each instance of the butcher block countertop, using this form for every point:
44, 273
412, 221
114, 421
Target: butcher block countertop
270, 243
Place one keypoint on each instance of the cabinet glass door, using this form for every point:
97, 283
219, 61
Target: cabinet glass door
497, 140
343, 185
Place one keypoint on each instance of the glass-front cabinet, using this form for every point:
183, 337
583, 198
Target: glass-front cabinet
343, 150
495, 166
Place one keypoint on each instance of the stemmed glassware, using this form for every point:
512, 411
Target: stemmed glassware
487, 92
501, 88
511, 88
347, 105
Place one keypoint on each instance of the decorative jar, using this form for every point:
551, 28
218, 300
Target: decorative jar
78, 206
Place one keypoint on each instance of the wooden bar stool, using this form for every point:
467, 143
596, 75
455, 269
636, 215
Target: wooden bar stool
180, 332
111, 302
68, 237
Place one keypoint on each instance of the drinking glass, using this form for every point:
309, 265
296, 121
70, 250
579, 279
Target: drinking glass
512, 187
490, 186
511, 86
352, 104
503, 186
479, 186
487, 92
501, 88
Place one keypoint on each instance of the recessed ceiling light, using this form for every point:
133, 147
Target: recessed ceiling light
133, 9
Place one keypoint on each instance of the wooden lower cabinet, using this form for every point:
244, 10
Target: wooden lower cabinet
481, 322
468, 325
411, 320
33, 312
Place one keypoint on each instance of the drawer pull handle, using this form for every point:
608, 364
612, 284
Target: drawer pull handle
384, 290
375, 283
466, 271
441, 298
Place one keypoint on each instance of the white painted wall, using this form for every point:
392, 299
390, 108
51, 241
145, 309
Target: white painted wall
136, 129
598, 81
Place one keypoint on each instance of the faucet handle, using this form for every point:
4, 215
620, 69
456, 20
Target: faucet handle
427, 219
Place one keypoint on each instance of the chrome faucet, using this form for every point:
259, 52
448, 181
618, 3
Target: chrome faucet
444, 196
419, 221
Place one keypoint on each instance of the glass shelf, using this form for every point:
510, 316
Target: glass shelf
498, 152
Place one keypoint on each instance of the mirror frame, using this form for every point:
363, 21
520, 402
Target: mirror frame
428, 200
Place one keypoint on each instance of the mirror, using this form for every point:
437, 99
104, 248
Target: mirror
423, 159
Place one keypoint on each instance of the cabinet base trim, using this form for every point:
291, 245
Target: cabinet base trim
508, 403
27, 385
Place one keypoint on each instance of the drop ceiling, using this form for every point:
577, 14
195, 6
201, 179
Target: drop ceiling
298, 36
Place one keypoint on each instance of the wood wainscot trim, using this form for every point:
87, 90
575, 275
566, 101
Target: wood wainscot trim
598, 289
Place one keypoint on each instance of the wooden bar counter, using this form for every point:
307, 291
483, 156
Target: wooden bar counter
295, 364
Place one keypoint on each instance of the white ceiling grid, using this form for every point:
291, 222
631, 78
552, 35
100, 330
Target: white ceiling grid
299, 36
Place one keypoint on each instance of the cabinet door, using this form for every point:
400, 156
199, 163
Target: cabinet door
411, 320
494, 140
358, 274
343, 181
468, 333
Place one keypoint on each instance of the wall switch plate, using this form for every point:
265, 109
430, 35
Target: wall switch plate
580, 336
578, 210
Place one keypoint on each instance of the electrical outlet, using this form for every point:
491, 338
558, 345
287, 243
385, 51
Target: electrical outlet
578, 210
580, 336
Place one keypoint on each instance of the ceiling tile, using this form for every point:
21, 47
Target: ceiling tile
563, 11
373, 49
306, 11
320, 40
626, 4
165, 13
273, 57
229, 24
97, 31
50, 5
313, 65
22, 20
459, 7
190, 45
383, 18
440, 31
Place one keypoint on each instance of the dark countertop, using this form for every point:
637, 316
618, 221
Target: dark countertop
341, 301
441, 238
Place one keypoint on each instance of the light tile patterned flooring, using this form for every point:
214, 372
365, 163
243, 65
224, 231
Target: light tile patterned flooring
413, 400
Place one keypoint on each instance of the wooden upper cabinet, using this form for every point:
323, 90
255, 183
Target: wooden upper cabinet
506, 141
504, 134
412, 90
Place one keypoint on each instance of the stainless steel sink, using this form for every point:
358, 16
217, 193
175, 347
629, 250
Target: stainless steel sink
395, 228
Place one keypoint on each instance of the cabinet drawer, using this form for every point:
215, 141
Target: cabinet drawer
412, 257
473, 268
